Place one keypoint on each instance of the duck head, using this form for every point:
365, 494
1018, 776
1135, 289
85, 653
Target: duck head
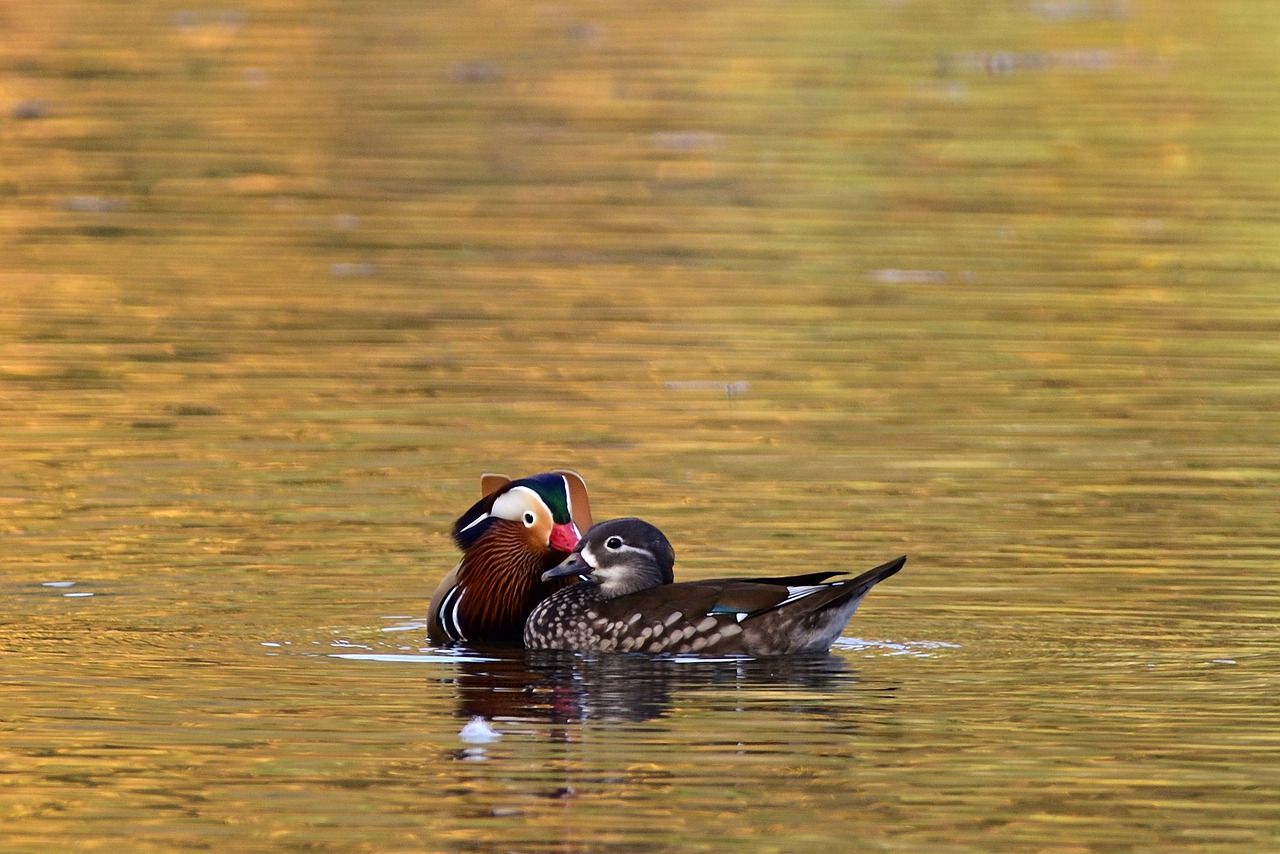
539, 509
508, 539
620, 556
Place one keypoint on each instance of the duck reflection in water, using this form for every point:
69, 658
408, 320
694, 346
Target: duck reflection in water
569, 687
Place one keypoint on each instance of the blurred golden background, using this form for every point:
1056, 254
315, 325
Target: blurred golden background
992, 283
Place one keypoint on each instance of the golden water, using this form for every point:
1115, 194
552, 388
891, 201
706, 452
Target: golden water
809, 285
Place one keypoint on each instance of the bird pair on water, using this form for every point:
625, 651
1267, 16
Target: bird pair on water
529, 575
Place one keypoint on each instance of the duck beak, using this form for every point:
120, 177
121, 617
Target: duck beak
573, 565
565, 537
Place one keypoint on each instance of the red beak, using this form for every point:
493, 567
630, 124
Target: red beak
564, 537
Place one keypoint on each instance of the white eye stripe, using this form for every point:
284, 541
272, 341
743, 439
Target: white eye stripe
613, 556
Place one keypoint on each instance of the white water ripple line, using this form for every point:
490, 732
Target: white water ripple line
916, 649
410, 659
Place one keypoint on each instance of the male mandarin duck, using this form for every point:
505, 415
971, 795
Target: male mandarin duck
627, 602
509, 538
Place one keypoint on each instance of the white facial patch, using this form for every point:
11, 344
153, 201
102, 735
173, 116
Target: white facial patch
609, 574
511, 504
589, 557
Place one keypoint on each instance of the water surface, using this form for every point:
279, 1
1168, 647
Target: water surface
808, 285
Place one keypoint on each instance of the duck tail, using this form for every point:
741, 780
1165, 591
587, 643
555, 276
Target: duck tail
855, 588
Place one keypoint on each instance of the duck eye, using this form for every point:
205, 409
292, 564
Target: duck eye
613, 543
528, 518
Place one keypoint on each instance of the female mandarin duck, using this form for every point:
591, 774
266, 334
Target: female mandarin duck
628, 603
519, 530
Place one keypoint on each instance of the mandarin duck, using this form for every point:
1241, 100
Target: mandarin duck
627, 602
509, 538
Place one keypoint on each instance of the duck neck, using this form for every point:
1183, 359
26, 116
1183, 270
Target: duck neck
501, 579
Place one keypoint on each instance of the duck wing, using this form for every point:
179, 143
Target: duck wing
742, 616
